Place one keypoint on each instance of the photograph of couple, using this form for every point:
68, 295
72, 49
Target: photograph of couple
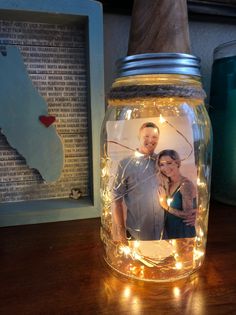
152, 198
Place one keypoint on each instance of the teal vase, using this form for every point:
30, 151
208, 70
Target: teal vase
223, 117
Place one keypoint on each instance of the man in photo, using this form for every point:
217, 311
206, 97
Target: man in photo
137, 213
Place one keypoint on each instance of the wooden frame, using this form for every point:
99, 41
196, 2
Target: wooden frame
15, 213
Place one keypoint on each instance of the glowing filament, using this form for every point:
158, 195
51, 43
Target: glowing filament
169, 200
105, 172
137, 154
128, 114
126, 292
125, 249
179, 265
162, 119
198, 254
176, 292
201, 233
176, 255
201, 184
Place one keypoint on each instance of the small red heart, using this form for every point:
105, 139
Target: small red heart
47, 120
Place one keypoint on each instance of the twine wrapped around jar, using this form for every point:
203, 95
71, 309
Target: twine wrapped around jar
135, 91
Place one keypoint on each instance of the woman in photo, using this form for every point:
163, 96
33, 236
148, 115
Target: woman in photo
177, 196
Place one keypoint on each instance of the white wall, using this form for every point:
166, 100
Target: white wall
204, 37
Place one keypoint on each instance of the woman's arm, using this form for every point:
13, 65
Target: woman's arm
188, 193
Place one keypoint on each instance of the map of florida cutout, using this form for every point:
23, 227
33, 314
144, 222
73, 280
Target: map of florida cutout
20, 108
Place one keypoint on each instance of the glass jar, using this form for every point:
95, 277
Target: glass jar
155, 168
223, 112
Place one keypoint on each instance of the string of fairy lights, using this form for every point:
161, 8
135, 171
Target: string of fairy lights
132, 252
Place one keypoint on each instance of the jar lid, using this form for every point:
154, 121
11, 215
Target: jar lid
159, 63
225, 50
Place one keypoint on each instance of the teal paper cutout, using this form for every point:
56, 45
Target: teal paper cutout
20, 108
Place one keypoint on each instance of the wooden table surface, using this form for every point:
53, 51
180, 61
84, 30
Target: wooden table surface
57, 268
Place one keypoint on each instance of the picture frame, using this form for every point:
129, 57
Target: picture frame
136, 177
62, 11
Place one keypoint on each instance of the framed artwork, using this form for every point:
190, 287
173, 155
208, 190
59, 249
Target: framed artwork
52, 106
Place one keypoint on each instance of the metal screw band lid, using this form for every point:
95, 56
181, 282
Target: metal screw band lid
159, 63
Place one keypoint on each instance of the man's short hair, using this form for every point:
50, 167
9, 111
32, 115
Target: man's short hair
149, 125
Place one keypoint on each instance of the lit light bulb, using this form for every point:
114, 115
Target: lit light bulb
179, 265
162, 119
137, 154
176, 255
169, 200
176, 292
125, 249
200, 184
201, 233
126, 292
105, 171
198, 254
172, 242
128, 114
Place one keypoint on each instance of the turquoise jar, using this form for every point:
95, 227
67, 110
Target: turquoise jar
223, 117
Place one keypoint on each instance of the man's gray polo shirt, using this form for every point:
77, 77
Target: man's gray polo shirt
136, 182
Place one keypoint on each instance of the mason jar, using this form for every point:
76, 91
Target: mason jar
155, 168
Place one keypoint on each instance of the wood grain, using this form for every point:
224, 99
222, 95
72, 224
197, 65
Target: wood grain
159, 26
57, 268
